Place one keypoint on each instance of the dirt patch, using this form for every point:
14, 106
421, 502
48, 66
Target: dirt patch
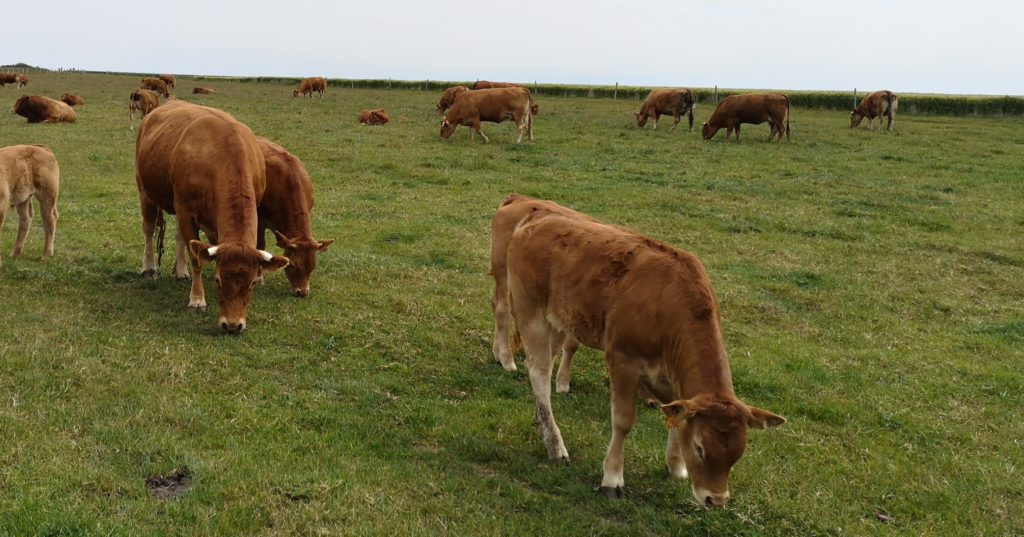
169, 487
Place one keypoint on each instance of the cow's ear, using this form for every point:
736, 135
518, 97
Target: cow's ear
282, 241
677, 412
271, 262
202, 251
322, 245
762, 419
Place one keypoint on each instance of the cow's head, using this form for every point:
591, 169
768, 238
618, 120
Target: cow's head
855, 119
239, 268
641, 119
706, 132
295, 93
712, 434
447, 128
534, 109
301, 254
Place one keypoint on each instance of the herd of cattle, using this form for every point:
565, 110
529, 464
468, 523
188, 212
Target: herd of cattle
648, 305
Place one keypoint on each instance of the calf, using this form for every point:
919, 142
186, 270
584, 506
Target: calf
374, 117
142, 100
156, 85
667, 101
651, 309
26, 171
309, 86
71, 99
755, 108
39, 109
880, 104
494, 105
448, 98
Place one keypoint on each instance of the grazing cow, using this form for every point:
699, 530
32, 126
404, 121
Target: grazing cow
170, 80
39, 109
26, 171
71, 99
448, 98
667, 101
880, 104
484, 84
22, 81
755, 108
155, 84
312, 85
8, 78
494, 105
205, 167
374, 117
203, 91
142, 100
651, 309
285, 209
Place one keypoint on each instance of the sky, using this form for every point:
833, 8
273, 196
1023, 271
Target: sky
905, 46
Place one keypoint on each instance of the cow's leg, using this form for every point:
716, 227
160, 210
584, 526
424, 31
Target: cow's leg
499, 303
180, 256
676, 117
4, 204
892, 120
737, 128
537, 340
188, 231
728, 132
24, 223
476, 127
674, 456
565, 366
624, 383
48, 212
521, 126
150, 213
655, 121
529, 125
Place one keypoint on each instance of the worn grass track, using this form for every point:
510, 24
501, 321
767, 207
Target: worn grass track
870, 286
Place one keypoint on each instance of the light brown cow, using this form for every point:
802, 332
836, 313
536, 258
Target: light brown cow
651, 309
203, 91
26, 171
374, 117
755, 108
309, 86
8, 78
448, 98
142, 100
40, 109
71, 99
493, 105
285, 210
674, 102
484, 84
169, 80
156, 85
880, 104
206, 168
22, 81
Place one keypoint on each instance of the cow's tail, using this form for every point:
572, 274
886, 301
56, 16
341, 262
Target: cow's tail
787, 118
894, 102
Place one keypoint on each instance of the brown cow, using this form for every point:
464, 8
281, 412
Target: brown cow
285, 209
170, 80
651, 309
8, 78
144, 101
203, 91
494, 105
374, 117
667, 101
39, 109
308, 86
22, 81
205, 167
155, 84
484, 84
755, 108
71, 99
26, 171
448, 98
880, 104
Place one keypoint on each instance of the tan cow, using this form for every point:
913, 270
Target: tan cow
484, 84
448, 98
8, 78
880, 104
40, 109
22, 81
755, 108
156, 85
309, 86
26, 171
203, 91
674, 102
71, 99
651, 309
169, 80
374, 117
285, 210
206, 168
493, 105
144, 101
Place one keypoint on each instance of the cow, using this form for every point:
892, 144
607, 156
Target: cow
26, 171
156, 85
494, 105
755, 108
8, 78
39, 109
206, 168
142, 100
484, 84
448, 98
203, 91
22, 81
667, 101
170, 80
651, 308
308, 86
285, 209
374, 117
71, 99
880, 104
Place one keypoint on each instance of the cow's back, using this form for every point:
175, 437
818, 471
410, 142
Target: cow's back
289, 187
493, 104
749, 108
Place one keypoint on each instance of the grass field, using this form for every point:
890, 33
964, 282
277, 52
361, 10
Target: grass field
870, 286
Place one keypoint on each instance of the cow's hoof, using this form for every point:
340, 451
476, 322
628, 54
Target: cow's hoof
561, 388
612, 493
181, 277
197, 305
149, 273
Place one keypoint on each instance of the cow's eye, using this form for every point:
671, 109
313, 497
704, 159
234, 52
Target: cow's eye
699, 450
216, 279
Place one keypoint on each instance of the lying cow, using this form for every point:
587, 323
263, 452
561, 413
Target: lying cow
374, 117
493, 105
26, 171
39, 109
206, 168
8, 78
203, 91
651, 309
674, 102
448, 98
880, 104
142, 100
755, 108
484, 84
71, 99
155, 85
169, 80
309, 86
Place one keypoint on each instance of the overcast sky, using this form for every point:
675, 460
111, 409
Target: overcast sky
906, 46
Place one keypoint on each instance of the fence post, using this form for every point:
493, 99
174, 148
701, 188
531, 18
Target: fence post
616, 94
716, 94
854, 98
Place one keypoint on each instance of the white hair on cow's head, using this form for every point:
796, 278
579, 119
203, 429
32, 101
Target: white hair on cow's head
267, 256
212, 251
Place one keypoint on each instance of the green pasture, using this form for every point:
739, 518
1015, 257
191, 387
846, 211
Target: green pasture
871, 288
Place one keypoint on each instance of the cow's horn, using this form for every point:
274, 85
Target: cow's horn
267, 256
212, 251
